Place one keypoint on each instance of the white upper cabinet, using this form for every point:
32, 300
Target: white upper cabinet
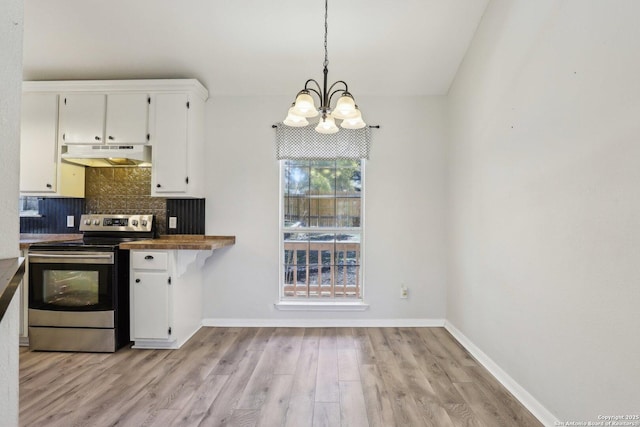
38, 155
97, 118
178, 144
170, 144
82, 118
41, 171
127, 118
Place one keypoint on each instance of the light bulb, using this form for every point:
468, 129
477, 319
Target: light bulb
294, 120
327, 125
304, 105
354, 122
345, 107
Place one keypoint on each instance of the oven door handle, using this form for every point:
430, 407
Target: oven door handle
86, 258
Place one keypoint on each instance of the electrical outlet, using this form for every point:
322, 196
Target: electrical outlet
404, 292
70, 221
173, 222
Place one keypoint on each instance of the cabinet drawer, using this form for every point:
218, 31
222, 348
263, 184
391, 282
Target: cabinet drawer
148, 260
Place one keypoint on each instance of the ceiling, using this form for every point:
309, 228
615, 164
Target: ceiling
253, 47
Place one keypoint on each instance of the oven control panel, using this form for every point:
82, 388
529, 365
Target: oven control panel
105, 222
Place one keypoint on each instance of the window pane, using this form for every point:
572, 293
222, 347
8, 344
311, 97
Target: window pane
321, 246
322, 212
296, 186
296, 211
296, 178
348, 211
348, 265
29, 206
323, 179
348, 176
348, 249
321, 163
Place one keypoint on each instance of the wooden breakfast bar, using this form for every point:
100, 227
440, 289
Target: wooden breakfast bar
11, 272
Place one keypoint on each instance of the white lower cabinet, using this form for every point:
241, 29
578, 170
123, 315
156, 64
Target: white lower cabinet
166, 298
151, 296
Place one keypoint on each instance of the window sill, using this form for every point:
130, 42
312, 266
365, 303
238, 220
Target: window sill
321, 306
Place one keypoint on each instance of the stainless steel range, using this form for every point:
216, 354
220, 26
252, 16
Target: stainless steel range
79, 291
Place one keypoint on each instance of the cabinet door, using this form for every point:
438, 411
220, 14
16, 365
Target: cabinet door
127, 118
38, 156
169, 170
82, 118
150, 309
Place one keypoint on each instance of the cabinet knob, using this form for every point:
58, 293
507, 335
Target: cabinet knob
137, 280
149, 257
111, 138
158, 185
49, 185
97, 138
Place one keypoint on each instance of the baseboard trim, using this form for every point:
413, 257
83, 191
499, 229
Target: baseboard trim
528, 401
325, 323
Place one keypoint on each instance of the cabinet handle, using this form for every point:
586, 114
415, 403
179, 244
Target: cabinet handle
49, 185
149, 257
137, 280
97, 138
111, 138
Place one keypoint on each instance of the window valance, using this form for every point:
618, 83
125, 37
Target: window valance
304, 143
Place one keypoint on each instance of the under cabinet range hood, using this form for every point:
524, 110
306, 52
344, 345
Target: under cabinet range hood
107, 155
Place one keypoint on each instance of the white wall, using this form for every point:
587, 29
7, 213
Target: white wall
545, 208
11, 25
404, 209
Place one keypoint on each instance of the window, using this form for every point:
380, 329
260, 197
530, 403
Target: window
321, 229
29, 206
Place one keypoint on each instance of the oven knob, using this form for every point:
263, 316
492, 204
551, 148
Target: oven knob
87, 222
134, 222
96, 222
144, 222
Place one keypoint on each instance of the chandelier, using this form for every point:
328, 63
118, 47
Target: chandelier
304, 106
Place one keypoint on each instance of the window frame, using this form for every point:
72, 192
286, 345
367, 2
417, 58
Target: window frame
320, 303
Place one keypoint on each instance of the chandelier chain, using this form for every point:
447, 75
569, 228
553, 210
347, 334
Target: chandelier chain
345, 108
326, 28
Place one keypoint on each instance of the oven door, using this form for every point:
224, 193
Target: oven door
67, 280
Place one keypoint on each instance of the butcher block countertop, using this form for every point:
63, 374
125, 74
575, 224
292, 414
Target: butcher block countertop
182, 241
27, 240
11, 272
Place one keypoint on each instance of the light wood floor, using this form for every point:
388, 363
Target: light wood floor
271, 377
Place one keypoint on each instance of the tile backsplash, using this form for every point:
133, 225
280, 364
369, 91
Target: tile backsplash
123, 191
